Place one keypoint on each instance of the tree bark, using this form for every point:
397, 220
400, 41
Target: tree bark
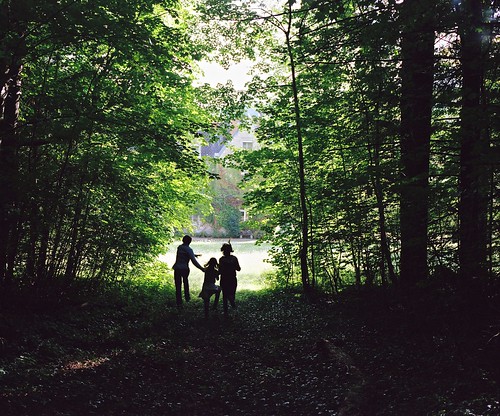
474, 176
11, 89
304, 250
379, 195
11, 66
417, 71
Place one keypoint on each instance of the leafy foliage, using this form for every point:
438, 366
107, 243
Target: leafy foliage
106, 169
348, 60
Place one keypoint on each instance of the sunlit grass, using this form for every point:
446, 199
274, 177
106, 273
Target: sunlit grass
252, 258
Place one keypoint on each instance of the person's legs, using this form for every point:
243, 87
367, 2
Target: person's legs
224, 299
232, 293
216, 300
178, 283
232, 300
185, 280
206, 303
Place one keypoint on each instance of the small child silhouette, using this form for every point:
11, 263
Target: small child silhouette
209, 287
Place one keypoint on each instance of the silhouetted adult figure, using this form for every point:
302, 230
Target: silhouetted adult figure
228, 266
181, 269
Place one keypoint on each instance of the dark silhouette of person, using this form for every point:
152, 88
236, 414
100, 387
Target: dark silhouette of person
209, 287
181, 269
228, 266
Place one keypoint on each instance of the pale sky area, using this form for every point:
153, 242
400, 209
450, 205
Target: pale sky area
215, 74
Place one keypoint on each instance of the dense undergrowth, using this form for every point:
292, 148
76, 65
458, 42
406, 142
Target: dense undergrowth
132, 352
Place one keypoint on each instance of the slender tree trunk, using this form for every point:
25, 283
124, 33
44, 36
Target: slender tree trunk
312, 248
353, 237
474, 176
417, 50
374, 154
41, 266
304, 250
11, 90
379, 195
491, 219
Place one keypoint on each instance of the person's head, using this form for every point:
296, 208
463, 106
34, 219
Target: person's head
227, 248
187, 239
212, 263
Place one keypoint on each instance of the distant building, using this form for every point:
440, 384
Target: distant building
240, 139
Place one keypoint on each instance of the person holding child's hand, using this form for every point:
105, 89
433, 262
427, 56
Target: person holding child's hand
181, 269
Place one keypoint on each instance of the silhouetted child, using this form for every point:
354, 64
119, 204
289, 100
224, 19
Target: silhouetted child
228, 266
209, 287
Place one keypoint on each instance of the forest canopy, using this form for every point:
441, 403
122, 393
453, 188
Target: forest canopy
378, 130
98, 117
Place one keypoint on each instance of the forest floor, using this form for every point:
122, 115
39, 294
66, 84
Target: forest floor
363, 353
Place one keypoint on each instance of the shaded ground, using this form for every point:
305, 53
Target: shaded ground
359, 355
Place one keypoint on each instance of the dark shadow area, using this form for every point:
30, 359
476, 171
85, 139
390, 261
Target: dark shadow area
363, 353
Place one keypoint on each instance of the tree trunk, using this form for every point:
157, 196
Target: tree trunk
374, 155
379, 195
417, 50
474, 176
11, 90
304, 250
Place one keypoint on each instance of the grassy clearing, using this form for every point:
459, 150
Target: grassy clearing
251, 257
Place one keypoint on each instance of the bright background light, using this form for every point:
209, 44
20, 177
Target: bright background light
215, 74
252, 260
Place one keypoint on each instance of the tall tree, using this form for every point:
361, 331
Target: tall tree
417, 54
284, 20
13, 49
347, 59
304, 249
474, 143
